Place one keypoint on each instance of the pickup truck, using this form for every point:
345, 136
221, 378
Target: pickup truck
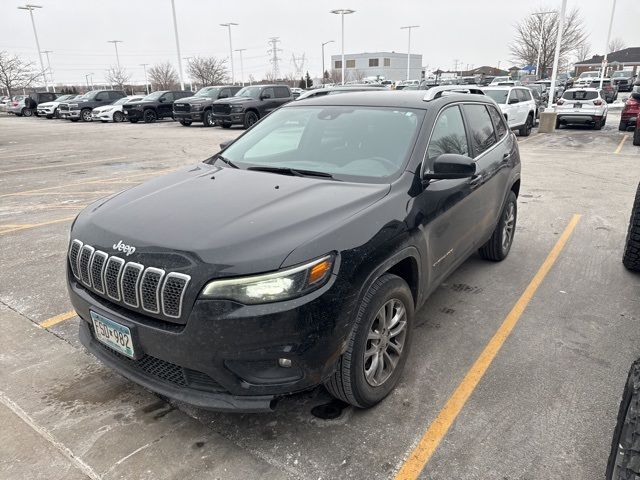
250, 104
198, 108
80, 109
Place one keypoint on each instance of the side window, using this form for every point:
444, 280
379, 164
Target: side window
523, 95
183, 95
282, 92
102, 96
168, 97
113, 95
480, 128
234, 90
224, 93
267, 93
498, 121
448, 135
513, 95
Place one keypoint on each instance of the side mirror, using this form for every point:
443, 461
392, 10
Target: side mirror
513, 100
162, 99
224, 145
265, 96
449, 166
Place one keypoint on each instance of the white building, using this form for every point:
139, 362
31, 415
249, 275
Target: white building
385, 65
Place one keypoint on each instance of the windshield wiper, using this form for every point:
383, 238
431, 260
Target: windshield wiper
296, 172
227, 161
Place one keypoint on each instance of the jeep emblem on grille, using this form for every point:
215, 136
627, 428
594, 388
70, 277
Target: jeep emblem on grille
127, 249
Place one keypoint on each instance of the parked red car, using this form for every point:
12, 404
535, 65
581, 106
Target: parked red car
636, 135
631, 110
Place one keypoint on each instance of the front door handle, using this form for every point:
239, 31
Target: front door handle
476, 180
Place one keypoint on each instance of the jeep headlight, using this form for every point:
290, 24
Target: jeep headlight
273, 287
237, 108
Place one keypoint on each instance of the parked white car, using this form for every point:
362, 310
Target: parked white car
517, 105
497, 80
585, 78
50, 109
583, 106
113, 112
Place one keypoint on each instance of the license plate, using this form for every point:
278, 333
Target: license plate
112, 334
577, 106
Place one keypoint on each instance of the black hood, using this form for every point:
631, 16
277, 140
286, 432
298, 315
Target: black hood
237, 100
196, 100
228, 221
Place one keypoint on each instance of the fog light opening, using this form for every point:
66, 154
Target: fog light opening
284, 362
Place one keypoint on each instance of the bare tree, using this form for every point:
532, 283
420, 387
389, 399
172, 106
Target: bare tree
584, 52
16, 73
269, 77
335, 76
357, 75
163, 76
208, 70
252, 79
616, 44
524, 48
117, 76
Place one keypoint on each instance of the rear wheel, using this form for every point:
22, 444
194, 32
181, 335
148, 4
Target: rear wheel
27, 112
185, 123
558, 124
631, 256
149, 116
623, 126
499, 245
250, 118
525, 130
372, 364
118, 117
207, 118
636, 136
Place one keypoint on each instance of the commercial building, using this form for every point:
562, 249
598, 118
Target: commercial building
625, 59
383, 65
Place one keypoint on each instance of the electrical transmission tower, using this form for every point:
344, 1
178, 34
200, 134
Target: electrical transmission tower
298, 64
273, 52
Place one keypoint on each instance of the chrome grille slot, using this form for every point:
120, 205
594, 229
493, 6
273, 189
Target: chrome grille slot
112, 277
97, 269
74, 250
84, 260
173, 290
150, 289
129, 282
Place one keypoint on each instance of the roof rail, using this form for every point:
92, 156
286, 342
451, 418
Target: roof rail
442, 90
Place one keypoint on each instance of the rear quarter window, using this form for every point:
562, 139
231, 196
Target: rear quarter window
282, 92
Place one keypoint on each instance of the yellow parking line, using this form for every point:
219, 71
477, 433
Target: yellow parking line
624, 137
55, 165
57, 319
33, 225
421, 454
528, 138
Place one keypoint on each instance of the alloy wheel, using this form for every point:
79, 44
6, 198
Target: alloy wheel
385, 342
86, 115
509, 227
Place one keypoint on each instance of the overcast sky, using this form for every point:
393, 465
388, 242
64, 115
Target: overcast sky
474, 32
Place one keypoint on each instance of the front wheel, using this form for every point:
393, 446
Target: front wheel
525, 130
207, 118
118, 117
56, 113
499, 245
372, 364
631, 256
249, 119
149, 116
636, 137
226, 124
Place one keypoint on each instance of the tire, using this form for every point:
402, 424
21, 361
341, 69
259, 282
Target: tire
56, 113
207, 118
85, 115
250, 118
525, 130
499, 245
636, 136
104, 121
74, 120
558, 124
48, 117
624, 459
604, 121
133, 120
623, 126
226, 125
149, 116
598, 124
350, 383
185, 123
631, 255
26, 112
118, 117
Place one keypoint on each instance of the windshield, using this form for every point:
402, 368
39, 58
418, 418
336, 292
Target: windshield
580, 95
61, 98
207, 92
251, 92
500, 96
154, 96
123, 100
500, 79
588, 74
362, 144
621, 74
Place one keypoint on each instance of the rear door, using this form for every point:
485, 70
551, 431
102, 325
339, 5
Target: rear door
283, 95
513, 109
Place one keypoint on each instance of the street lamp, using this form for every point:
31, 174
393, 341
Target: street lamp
540, 14
175, 31
190, 80
556, 57
86, 77
342, 12
241, 65
146, 82
115, 44
31, 8
47, 52
229, 25
606, 49
323, 44
409, 27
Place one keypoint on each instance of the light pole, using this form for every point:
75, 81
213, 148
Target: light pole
323, 44
31, 8
540, 15
190, 81
556, 57
409, 27
229, 25
47, 52
86, 77
146, 82
606, 47
115, 44
342, 12
241, 65
175, 30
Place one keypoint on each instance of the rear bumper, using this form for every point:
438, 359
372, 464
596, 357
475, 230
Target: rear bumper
576, 118
190, 116
629, 120
232, 118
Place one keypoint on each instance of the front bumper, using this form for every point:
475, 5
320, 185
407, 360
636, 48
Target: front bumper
232, 118
70, 114
45, 111
133, 114
629, 120
191, 116
101, 116
230, 350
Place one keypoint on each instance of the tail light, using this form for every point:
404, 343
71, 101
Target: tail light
632, 102
597, 102
15, 104
560, 102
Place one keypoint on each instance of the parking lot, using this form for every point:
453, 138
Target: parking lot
516, 369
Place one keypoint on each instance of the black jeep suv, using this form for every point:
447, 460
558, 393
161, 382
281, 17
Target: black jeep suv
198, 108
250, 104
298, 254
155, 106
80, 109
